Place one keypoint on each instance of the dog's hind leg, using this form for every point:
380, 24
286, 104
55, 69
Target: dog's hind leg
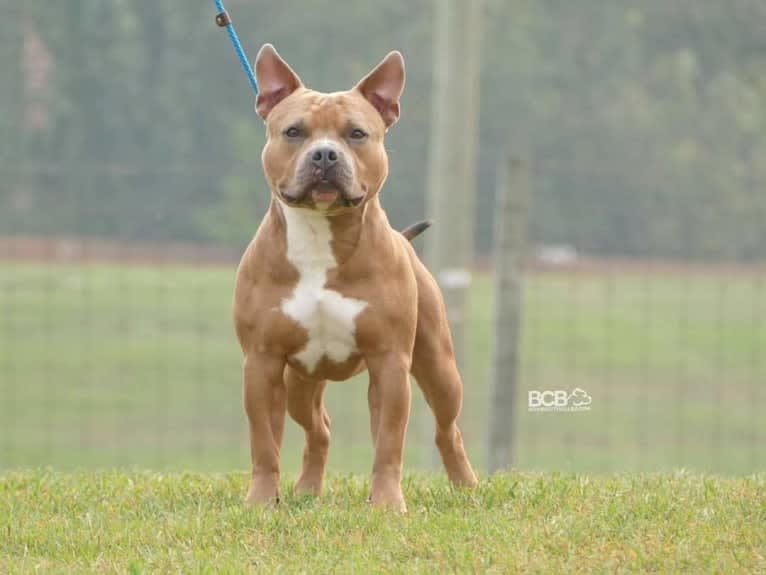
435, 370
305, 404
442, 389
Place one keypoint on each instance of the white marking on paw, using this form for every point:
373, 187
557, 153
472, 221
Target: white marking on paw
328, 316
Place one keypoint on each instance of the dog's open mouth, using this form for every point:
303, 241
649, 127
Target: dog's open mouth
324, 193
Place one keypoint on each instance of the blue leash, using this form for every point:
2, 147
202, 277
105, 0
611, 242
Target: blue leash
224, 21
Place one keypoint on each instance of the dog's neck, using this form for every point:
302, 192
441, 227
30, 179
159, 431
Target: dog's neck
343, 230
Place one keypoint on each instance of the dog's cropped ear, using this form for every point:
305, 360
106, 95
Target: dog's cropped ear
384, 86
276, 80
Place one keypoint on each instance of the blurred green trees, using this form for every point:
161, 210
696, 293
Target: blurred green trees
645, 123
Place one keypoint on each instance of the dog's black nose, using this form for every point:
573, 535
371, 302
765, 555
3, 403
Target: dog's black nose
324, 157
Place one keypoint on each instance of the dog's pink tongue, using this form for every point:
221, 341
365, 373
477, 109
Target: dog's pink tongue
324, 195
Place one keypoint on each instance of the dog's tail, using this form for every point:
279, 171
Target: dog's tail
413, 231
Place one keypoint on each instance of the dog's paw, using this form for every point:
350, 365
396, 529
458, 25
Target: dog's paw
391, 500
308, 484
254, 499
263, 491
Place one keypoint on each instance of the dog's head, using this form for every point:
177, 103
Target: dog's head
325, 151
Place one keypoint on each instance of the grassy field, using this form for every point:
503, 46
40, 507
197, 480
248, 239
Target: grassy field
105, 366
525, 523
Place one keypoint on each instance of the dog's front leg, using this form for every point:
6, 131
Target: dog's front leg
389, 396
265, 406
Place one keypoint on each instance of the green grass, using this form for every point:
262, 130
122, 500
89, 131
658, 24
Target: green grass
142, 522
105, 366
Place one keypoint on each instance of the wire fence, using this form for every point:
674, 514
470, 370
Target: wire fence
130, 184
117, 354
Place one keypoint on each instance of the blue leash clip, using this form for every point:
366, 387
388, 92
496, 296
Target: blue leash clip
224, 21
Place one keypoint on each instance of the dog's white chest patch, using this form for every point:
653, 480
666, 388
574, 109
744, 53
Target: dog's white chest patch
328, 316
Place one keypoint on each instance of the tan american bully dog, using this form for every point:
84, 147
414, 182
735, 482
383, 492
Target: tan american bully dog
327, 288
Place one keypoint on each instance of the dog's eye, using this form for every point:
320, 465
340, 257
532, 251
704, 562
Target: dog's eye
292, 132
357, 134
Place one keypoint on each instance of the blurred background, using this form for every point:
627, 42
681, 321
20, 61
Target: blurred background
629, 140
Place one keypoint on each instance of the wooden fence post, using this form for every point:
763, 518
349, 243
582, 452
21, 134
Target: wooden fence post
452, 179
512, 205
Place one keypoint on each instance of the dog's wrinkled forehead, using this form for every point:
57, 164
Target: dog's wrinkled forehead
318, 114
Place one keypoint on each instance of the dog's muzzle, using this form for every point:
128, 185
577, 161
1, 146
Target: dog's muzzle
324, 174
